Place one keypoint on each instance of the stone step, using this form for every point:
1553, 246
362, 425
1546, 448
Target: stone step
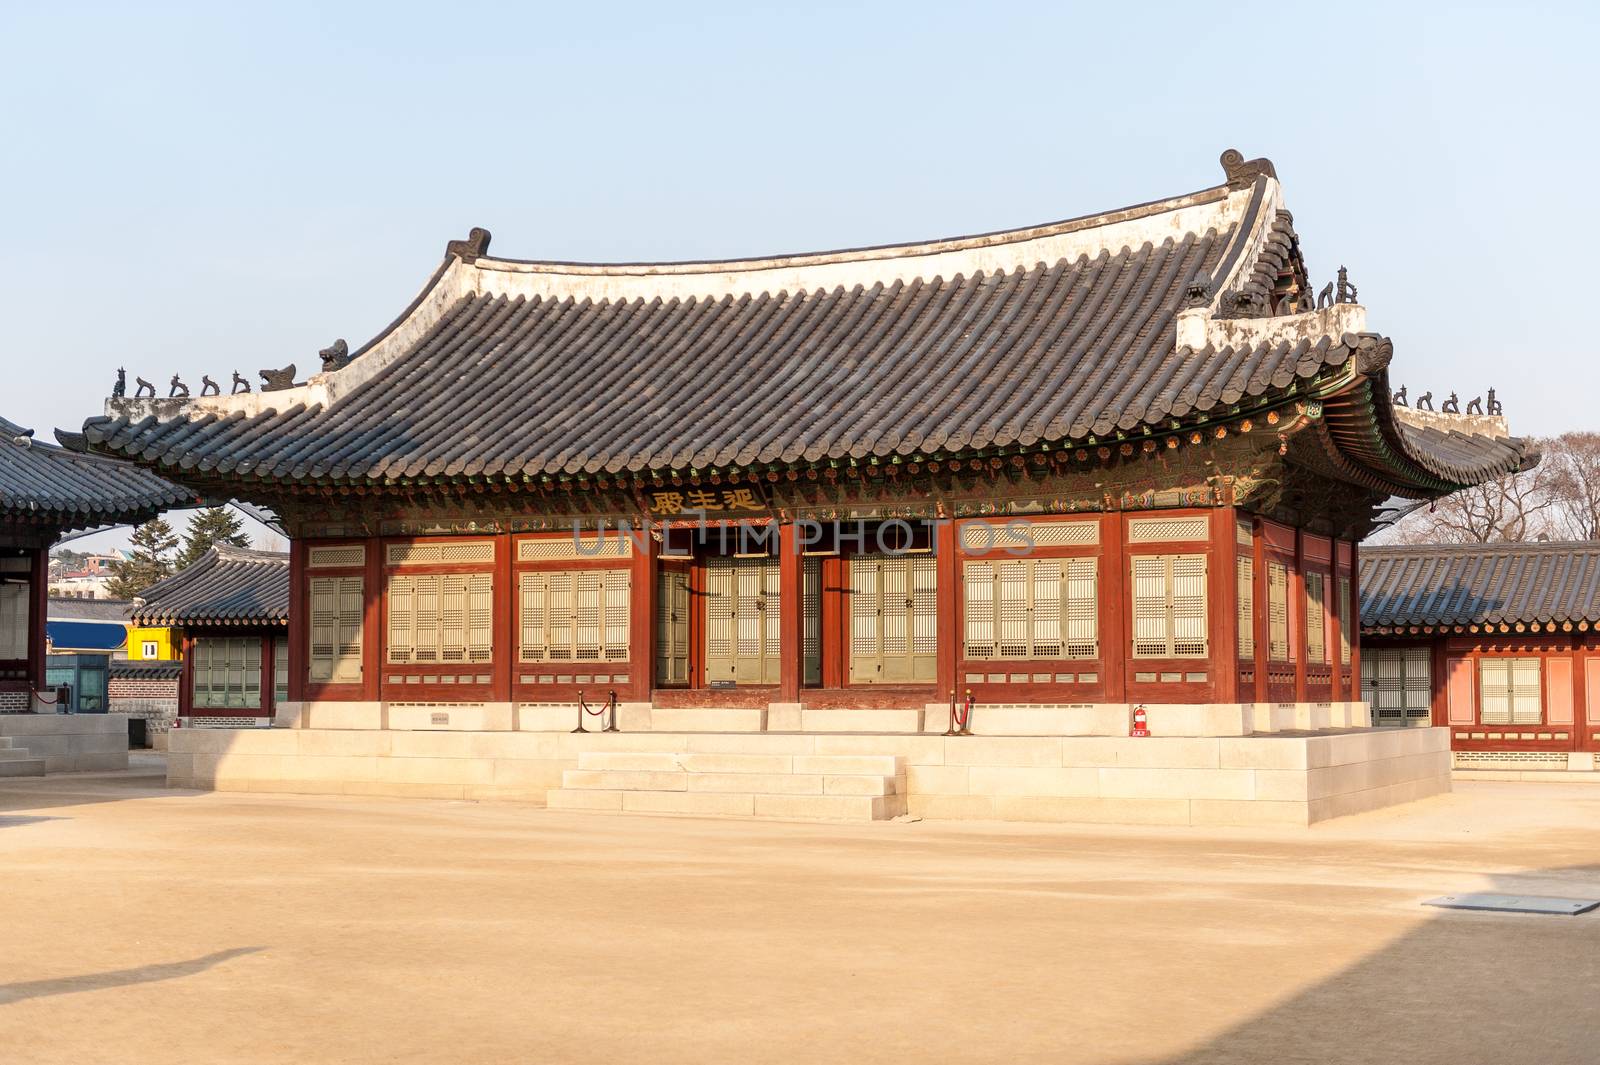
715, 804
738, 762
14, 754
728, 783
22, 767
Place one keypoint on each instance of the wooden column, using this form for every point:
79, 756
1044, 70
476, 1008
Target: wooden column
1297, 616
186, 678
373, 629
1355, 622
643, 588
947, 591
833, 621
1224, 597
269, 686
299, 621
504, 637
38, 612
1116, 635
790, 602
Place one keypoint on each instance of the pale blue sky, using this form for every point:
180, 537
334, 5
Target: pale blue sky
198, 189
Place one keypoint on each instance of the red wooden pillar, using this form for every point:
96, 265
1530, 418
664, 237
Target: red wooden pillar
833, 608
1335, 628
1224, 598
299, 621
38, 613
1115, 634
504, 634
1297, 616
947, 604
643, 589
790, 603
373, 629
1262, 610
186, 678
269, 667
1355, 623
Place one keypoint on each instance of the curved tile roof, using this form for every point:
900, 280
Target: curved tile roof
45, 482
508, 369
227, 586
1479, 584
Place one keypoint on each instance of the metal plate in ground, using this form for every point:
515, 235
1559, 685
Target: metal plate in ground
1513, 903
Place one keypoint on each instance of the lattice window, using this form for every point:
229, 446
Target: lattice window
1065, 533
1509, 691
441, 618
811, 621
336, 608
1245, 570
1167, 530
337, 556
1344, 620
1398, 682
613, 544
1169, 606
14, 616
280, 669
672, 627
227, 673
1316, 618
1032, 608
1242, 534
1277, 612
580, 615
456, 552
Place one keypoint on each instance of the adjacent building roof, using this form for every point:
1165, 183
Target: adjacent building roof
1437, 586
227, 586
123, 669
44, 483
504, 369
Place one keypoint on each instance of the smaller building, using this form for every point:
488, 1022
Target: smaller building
147, 693
229, 613
1498, 642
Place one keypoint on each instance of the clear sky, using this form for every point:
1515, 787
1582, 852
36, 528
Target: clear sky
206, 188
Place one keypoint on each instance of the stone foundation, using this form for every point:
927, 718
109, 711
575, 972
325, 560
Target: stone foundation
70, 742
1288, 779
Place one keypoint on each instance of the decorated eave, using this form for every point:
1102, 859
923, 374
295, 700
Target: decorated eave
225, 586
62, 487
1104, 338
1472, 589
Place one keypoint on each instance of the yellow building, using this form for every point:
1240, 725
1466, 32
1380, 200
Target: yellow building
152, 644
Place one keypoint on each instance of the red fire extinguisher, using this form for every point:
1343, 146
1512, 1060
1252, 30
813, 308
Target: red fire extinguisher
1141, 722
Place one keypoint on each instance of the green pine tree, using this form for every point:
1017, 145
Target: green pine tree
152, 545
214, 525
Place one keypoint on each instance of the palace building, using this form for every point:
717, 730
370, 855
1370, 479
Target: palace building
1496, 642
1118, 461
47, 490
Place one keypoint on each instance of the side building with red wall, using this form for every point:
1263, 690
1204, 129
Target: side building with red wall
1497, 642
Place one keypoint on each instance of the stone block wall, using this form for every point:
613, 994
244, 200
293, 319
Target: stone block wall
153, 699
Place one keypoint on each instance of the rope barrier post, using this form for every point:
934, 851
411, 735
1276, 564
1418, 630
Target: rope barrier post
966, 718
951, 731
613, 704
582, 708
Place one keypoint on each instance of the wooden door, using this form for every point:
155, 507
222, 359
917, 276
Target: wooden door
672, 627
893, 619
742, 601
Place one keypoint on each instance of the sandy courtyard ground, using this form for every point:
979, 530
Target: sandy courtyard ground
141, 925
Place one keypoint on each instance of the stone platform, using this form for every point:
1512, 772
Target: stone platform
1287, 778
68, 743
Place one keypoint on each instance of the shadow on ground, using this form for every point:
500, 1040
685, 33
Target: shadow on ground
145, 777
144, 974
1465, 987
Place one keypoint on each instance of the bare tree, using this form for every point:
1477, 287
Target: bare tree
1574, 478
1513, 508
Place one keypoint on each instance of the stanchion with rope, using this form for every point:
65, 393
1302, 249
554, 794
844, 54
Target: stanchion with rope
609, 705
960, 720
56, 697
